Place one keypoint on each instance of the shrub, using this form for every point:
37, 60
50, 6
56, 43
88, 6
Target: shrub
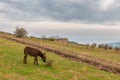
20, 32
106, 46
110, 47
117, 48
87, 45
93, 45
51, 39
101, 46
50, 63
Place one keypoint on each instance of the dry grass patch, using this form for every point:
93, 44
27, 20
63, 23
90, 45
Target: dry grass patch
14, 76
50, 62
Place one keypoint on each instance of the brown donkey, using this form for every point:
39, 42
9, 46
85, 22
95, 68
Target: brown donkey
35, 53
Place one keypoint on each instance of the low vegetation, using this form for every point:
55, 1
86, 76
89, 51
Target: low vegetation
50, 62
74, 49
93, 45
12, 67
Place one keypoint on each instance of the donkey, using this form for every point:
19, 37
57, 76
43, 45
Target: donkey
34, 53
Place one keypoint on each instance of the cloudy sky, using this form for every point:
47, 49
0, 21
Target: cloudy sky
86, 19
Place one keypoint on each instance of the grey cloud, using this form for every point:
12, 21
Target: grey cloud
60, 10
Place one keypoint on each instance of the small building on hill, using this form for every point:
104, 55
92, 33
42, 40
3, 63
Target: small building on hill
57, 39
65, 40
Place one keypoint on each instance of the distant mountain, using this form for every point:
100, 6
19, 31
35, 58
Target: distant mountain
115, 44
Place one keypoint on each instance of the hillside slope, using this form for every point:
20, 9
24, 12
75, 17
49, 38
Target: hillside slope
12, 67
66, 50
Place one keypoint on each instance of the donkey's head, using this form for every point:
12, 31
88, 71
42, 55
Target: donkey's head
44, 57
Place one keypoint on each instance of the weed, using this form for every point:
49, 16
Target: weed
50, 63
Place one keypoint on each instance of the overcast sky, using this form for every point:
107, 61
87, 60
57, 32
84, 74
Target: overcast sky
45, 15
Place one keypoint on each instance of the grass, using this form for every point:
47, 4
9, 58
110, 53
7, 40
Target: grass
107, 62
108, 55
12, 67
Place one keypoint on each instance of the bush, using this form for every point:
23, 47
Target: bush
101, 46
50, 63
93, 45
110, 47
117, 48
106, 46
20, 32
87, 45
51, 39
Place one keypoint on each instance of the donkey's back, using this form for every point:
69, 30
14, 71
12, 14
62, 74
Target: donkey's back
31, 51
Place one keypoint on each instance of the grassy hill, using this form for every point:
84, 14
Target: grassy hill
12, 67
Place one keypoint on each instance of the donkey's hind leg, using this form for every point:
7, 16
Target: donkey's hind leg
25, 59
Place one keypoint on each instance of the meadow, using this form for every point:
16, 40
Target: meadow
12, 67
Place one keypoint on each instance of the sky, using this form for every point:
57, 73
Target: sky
84, 21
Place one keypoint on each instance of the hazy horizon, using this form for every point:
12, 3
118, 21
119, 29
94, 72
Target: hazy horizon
80, 35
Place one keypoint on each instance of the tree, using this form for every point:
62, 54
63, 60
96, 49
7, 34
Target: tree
117, 48
20, 32
93, 45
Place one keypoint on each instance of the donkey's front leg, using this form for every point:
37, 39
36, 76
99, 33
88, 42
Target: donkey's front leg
25, 59
36, 60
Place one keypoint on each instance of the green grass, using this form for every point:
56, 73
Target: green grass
108, 55
12, 67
